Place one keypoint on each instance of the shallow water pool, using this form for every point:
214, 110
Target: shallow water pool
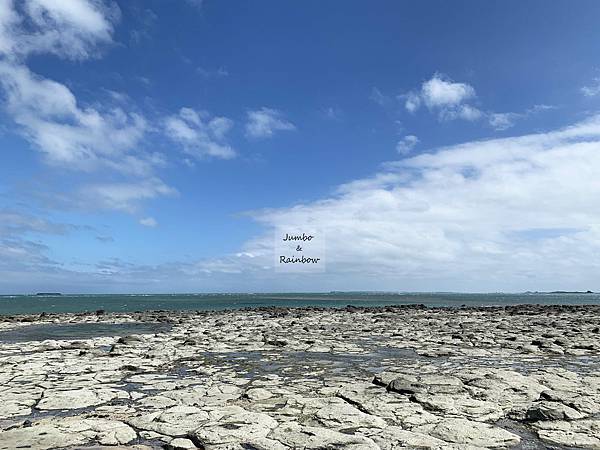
68, 331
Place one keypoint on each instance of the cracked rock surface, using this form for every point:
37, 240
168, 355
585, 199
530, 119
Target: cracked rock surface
406, 377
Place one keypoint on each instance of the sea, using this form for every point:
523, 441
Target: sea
35, 304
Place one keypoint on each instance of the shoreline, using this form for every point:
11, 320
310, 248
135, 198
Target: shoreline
521, 307
132, 303
390, 377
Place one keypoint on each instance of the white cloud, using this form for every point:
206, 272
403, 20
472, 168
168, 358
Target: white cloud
450, 101
406, 144
200, 134
511, 214
220, 126
69, 135
124, 196
469, 113
440, 91
412, 102
108, 135
464, 112
264, 122
503, 121
540, 108
482, 215
9, 20
14, 223
72, 29
21, 254
593, 89
444, 97
149, 222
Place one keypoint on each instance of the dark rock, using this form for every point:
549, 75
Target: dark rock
128, 340
405, 386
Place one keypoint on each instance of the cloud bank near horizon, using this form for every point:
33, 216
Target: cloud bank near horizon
520, 212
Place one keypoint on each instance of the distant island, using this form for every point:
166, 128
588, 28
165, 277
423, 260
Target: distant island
48, 294
561, 292
572, 292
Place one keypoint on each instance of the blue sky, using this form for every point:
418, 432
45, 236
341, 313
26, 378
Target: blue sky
153, 146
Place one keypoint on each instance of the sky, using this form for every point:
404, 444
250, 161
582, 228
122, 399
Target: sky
164, 146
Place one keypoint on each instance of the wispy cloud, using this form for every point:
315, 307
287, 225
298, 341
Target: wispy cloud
68, 135
200, 134
332, 113
221, 72
504, 121
149, 222
145, 19
451, 100
378, 97
13, 222
412, 101
406, 144
195, 3
478, 215
124, 196
593, 89
107, 136
22, 255
75, 29
265, 122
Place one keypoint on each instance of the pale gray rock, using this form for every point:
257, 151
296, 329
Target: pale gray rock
180, 444
177, 421
570, 439
343, 415
214, 374
51, 433
298, 436
448, 405
392, 438
583, 433
552, 411
462, 431
258, 394
234, 426
78, 398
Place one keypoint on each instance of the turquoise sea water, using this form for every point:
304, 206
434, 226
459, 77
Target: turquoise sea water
26, 304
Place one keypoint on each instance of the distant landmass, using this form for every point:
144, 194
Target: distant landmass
48, 294
561, 292
572, 292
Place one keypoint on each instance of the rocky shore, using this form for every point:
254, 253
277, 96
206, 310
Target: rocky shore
523, 377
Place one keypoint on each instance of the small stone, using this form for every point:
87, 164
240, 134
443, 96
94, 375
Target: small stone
257, 394
180, 444
552, 411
